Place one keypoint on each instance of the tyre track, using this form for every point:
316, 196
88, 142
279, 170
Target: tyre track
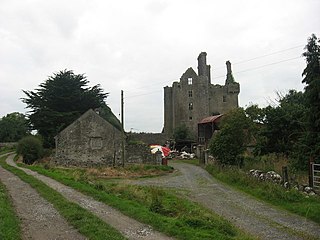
39, 219
251, 215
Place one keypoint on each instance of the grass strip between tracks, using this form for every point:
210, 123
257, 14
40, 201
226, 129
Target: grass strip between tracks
9, 222
87, 223
158, 207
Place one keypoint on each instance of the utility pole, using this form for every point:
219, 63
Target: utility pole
122, 131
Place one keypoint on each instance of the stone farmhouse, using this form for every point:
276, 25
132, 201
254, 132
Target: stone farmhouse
194, 98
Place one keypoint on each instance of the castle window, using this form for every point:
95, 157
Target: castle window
190, 93
190, 118
224, 98
190, 106
189, 81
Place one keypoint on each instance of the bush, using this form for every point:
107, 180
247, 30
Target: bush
30, 148
228, 144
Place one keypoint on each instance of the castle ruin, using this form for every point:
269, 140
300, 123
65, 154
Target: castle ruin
194, 98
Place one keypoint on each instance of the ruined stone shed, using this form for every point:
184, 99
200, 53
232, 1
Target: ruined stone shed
88, 141
93, 141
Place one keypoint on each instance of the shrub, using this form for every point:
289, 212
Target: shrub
30, 148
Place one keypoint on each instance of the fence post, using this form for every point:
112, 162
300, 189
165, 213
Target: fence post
311, 172
285, 174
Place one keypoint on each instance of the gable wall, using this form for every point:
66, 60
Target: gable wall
89, 141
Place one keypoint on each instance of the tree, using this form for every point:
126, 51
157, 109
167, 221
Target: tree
281, 126
311, 77
255, 113
182, 133
228, 144
60, 100
13, 127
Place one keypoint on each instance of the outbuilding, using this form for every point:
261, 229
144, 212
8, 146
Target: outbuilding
88, 141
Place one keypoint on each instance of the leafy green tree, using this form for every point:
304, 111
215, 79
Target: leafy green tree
229, 144
60, 100
255, 113
13, 127
181, 133
311, 77
283, 125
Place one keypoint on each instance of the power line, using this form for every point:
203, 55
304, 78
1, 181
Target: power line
262, 66
240, 62
269, 64
246, 70
262, 56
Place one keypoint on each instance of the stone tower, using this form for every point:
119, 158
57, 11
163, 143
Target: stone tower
194, 97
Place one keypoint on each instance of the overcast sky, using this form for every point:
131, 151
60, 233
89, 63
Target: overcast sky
142, 46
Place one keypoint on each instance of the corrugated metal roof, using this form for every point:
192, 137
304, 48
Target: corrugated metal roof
211, 119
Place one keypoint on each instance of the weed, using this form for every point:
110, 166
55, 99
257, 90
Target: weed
156, 202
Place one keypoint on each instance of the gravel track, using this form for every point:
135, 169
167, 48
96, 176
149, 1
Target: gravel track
129, 227
39, 219
255, 217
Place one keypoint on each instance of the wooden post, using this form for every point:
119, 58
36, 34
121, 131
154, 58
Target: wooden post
311, 162
122, 130
285, 174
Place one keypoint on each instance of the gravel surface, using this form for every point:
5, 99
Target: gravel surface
129, 227
39, 219
255, 217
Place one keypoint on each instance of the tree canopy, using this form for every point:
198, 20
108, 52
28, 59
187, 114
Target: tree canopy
182, 133
311, 77
60, 100
13, 127
228, 144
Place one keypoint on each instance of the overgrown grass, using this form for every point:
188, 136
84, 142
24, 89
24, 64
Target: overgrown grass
86, 222
291, 200
9, 222
163, 210
129, 171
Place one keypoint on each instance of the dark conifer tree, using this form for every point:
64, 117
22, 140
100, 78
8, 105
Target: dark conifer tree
60, 100
311, 77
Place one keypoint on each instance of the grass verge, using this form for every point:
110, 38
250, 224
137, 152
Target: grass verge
9, 224
291, 200
161, 209
86, 222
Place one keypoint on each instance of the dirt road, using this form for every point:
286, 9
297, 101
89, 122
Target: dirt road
129, 227
255, 217
39, 219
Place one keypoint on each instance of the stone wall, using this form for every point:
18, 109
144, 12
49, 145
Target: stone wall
139, 153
